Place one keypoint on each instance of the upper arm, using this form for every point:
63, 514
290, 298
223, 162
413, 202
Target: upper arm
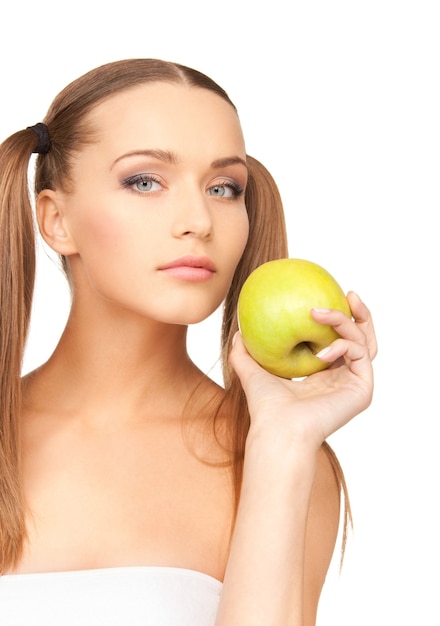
321, 533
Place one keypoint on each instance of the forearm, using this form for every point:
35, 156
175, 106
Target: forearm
264, 579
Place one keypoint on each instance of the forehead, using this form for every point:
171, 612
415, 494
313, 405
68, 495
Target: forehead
168, 116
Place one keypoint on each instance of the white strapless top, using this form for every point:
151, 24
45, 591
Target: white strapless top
120, 596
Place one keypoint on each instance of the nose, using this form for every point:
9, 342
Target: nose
192, 216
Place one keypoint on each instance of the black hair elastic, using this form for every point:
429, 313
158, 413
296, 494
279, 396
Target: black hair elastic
42, 132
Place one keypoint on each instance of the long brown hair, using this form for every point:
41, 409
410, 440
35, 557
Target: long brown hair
66, 121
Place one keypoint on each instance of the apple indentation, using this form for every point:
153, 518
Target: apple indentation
307, 345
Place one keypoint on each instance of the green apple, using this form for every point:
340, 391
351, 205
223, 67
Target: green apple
274, 315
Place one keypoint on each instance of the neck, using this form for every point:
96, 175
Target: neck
116, 364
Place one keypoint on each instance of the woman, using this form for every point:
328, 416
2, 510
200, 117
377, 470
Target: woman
134, 489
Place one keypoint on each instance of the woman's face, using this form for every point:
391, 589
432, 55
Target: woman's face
157, 214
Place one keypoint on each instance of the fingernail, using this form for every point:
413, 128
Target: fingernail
321, 310
323, 352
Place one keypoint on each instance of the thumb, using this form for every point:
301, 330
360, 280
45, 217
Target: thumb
246, 368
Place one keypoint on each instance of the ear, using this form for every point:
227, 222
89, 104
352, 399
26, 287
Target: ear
52, 223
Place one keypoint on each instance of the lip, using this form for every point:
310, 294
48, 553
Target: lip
191, 268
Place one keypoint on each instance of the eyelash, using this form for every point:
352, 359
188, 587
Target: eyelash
236, 189
129, 183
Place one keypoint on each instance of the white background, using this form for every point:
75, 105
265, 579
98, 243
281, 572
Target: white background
340, 100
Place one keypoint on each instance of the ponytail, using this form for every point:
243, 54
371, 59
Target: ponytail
17, 273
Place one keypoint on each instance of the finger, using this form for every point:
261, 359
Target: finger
244, 365
363, 319
353, 345
355, 355
258, 385
343, 325
350, 350
362, 330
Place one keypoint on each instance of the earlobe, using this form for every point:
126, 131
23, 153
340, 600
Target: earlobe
52, 223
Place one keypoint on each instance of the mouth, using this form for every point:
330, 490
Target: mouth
190, 268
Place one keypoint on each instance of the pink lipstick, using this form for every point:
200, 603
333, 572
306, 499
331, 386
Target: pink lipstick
190, 268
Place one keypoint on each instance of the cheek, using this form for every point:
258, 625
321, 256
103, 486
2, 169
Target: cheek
103, 233
102, 230
235, 234
239, 234
108, 247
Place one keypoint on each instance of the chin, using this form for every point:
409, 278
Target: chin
189, 320
195, 311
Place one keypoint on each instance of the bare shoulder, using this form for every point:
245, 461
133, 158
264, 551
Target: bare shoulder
322, 531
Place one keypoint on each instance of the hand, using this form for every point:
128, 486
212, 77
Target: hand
310, 410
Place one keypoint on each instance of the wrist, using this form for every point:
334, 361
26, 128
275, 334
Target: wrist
271, 443
278, 461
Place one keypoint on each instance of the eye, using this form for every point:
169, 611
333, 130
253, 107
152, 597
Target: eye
227, 189
142, 183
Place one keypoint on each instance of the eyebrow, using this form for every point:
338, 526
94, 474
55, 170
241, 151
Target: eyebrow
161, 155
170, 157
228, 161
